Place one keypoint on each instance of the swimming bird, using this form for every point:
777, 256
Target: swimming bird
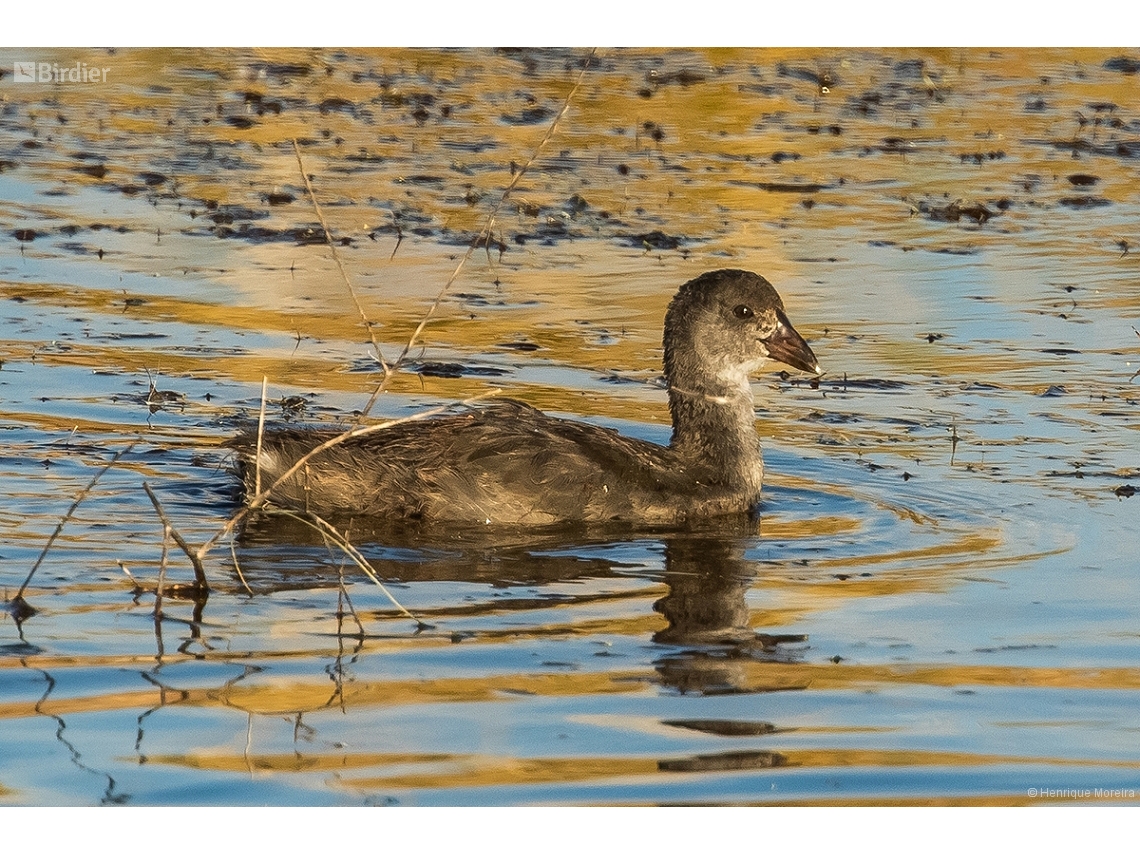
508, 463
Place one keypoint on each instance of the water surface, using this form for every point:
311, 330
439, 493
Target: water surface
939, 605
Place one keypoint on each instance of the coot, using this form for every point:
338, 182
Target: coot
509, 464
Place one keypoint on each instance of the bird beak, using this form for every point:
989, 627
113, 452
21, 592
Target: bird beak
789, 347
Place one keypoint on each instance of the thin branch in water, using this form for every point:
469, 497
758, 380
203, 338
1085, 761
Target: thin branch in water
237, 568
487, 241
399, 235
342, 593
483, 236
262, 495
492, 217
139, 589
202, 586
19, 598
162, 573
159, 644
336, 669
260, 435
339, 263
248, 744
317, 523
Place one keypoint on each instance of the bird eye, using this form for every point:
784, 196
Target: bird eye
743, 312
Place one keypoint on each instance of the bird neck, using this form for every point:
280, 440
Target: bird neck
714, 425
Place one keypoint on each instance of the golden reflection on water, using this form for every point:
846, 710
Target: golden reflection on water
749, 167
289, 697
724, 126
472, 771
493, 771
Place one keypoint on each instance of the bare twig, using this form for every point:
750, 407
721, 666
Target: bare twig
342, 593
82, 495
485, 234
339, 263
319, 524
138, 589
203, 587
237, 569
260, 434
399, 235
483, 237
161, 571
351, 608
262, 494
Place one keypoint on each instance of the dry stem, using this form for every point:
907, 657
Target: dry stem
203, 587
262, 495
260, 434
161, 572
339, 263
237, 569
328, 531
82, 495
483, 236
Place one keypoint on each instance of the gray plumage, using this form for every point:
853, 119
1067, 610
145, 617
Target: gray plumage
507, 463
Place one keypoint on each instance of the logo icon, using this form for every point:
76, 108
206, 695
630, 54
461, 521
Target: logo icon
52, 72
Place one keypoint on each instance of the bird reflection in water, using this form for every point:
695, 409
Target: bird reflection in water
707, 571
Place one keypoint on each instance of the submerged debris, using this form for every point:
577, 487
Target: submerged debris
959, 209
